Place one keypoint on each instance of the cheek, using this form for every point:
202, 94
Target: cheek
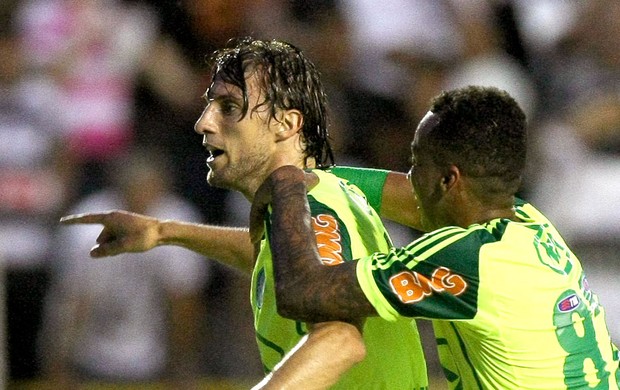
420, 188
428, 193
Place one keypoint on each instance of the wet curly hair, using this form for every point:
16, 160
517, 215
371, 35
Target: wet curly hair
288, 80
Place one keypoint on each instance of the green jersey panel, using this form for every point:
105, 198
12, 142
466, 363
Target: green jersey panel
394, 357
369, 180
510, 304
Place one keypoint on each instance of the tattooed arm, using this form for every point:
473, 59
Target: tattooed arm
306, 290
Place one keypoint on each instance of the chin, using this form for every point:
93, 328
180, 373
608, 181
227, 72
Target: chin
214, 180
220, 181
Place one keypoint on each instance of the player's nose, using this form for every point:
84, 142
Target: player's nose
205, 124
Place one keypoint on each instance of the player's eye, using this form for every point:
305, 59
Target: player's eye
228, 108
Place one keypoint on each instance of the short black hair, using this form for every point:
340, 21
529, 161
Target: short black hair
481, 130
288, 79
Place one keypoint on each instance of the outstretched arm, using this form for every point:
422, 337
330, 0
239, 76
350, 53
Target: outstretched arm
124, 231
305, 289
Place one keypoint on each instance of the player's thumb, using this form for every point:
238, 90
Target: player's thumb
105, 250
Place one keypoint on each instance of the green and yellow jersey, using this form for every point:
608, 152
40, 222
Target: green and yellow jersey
510, 304
346, 228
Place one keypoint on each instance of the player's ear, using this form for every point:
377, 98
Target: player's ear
450, 177
289, 123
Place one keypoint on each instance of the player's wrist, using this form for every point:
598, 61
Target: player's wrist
165, 231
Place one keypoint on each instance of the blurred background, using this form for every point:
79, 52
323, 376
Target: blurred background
97, 104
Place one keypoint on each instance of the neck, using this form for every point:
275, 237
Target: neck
476, 211
253, 185
480, 200
490, 214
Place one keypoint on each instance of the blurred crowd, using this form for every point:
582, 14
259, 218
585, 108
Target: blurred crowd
97, 104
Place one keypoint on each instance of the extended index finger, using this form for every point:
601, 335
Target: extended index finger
83, 218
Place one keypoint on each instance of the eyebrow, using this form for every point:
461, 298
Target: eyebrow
210, 94
225, 91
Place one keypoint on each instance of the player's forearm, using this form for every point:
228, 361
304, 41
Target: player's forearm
389, 192
398, 201
320, 358
306, 290
228, 245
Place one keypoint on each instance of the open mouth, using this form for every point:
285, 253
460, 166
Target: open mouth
214, 153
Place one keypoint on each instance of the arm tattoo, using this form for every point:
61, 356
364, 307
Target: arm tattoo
306, 289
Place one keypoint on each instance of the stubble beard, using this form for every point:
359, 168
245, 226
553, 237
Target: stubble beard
244, 177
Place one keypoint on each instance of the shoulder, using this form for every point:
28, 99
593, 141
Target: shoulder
339, 195
331, 183
526, 212
326, 177
453, 247
449, 235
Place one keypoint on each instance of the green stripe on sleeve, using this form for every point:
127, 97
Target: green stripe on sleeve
370, 181
372, 292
